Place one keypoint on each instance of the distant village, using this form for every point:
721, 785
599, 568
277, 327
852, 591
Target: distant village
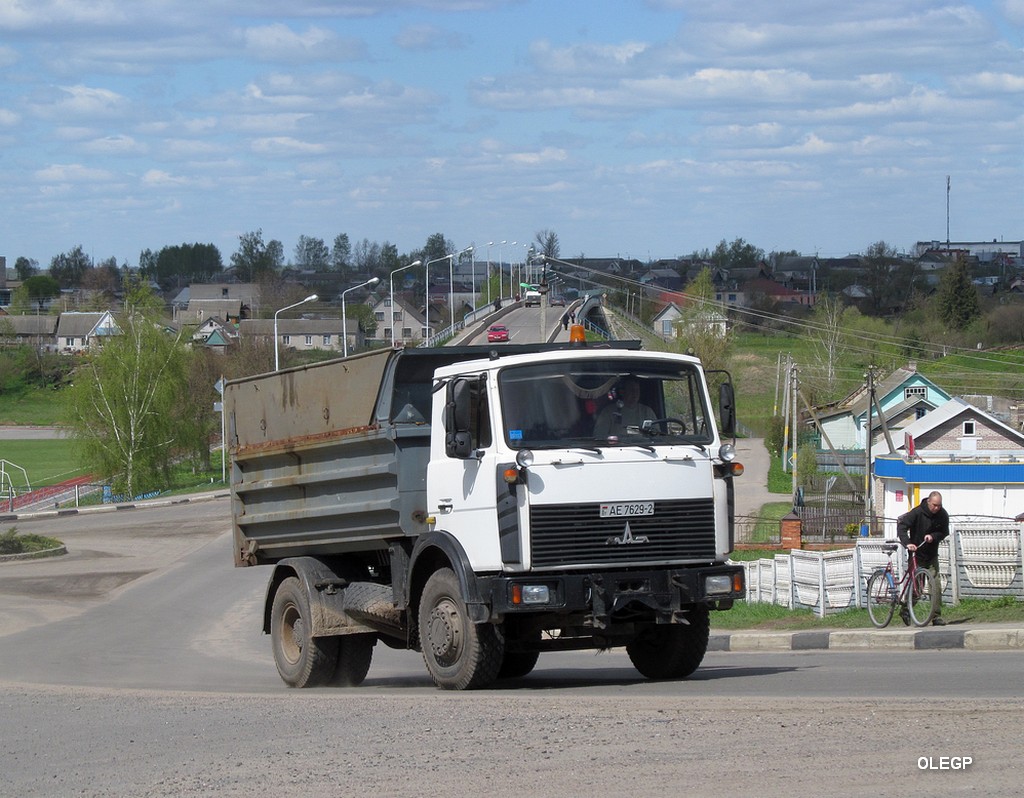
214, 315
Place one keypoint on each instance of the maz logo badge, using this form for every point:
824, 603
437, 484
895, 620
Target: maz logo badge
627, 538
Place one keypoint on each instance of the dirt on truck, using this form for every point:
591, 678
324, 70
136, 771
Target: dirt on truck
483, 506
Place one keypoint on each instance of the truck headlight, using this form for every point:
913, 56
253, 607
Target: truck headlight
530, 594
720, 584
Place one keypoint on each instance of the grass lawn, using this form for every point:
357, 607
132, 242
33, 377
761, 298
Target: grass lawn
47, 462
31, 407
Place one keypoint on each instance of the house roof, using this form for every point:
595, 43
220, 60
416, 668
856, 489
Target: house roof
950, 410
897, 380
219, 308
33, 325
80, 325
293, 326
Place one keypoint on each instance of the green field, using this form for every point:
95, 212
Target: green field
46, 462
30, 407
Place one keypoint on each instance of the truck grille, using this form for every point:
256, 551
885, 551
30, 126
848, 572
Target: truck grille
575, 534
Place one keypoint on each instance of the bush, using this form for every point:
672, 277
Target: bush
13, 543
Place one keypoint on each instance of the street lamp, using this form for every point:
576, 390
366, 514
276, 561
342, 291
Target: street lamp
391, 280
489, 245
451, 284
344, 321
426, 279
501, 252
310, 298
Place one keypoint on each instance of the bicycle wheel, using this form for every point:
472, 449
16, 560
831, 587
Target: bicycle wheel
920, 600
881, 598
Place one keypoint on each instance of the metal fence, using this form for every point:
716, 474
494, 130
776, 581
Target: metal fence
980, 559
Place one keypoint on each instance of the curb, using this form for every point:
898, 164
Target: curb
110, 508
974, 639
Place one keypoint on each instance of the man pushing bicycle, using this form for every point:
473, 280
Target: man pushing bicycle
922, 530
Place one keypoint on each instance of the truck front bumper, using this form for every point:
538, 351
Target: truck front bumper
607, 596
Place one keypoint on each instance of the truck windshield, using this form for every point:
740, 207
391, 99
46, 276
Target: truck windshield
570, 403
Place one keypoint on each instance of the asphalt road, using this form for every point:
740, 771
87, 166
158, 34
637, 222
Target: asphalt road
135, 666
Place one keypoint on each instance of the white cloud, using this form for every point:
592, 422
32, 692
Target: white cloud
83, 101
286, 145
9, 118
426, 38
71, 173
278, 42
115, 145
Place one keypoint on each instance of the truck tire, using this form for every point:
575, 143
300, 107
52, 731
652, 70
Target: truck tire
671, 651
302, 660
517, 664
459, 654
355, 652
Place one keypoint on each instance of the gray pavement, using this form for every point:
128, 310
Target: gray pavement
750, 496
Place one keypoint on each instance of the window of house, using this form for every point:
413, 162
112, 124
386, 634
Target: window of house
396, 316
379, 315
920, 412
407, 332
69, 342
309, 340
916, 390
969, 428
387, 333
424, 333
286, 339
327, 340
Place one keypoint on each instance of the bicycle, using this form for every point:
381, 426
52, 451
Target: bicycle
913, 592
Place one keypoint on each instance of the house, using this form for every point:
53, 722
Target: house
406, 327
78, 331
37, 331
904, 396
974, 459
303, 334
672, 322
224, 301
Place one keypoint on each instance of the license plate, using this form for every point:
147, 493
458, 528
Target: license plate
627, 509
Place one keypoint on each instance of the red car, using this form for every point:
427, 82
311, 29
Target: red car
498, 332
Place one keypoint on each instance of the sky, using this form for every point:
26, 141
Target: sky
630, 128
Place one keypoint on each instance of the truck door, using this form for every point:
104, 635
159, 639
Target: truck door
461, 478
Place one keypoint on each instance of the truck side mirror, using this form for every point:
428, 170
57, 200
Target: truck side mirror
727, 409
458, 441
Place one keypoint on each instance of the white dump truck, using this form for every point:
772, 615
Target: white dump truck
484, 506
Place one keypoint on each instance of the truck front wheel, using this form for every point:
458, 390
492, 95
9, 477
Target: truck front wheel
671, 651
459, 654
302, 660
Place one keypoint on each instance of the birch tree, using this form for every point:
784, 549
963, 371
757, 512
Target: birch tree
125, 406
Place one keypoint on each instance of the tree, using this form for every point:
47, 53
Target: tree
341, 253
547, 243
958, 300
69, 268
701, 323
125, 407
881, 276
737, 255
828, 334
311, 254
39, 289
254, 258
25, 267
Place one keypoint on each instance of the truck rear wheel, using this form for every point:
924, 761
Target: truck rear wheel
459, 654
302, 660
355, 652
671, 651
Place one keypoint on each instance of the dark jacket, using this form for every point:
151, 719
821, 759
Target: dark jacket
913, 526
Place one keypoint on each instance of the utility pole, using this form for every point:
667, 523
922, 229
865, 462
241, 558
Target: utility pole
795, 427
785, 422
947, 213
868, 508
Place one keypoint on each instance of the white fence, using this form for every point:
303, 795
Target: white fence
978, 559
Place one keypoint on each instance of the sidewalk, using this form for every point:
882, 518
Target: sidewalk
976, 637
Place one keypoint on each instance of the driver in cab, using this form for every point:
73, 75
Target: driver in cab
624, 413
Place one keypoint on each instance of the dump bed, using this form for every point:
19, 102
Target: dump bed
332, 457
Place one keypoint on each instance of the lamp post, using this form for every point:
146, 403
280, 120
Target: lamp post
451, 284
501, 252
426, 279
489, 245
391, 280
310, 298
511, 269
344, 321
